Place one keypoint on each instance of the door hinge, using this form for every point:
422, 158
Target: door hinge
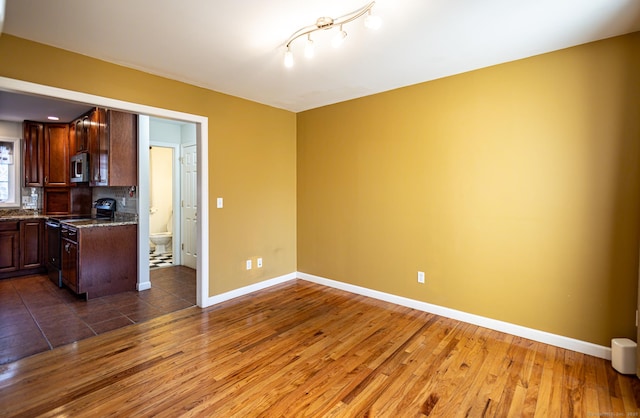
182, 246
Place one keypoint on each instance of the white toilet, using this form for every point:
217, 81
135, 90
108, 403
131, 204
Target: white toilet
162, 239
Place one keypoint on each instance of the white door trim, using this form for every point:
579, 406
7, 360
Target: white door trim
202, 140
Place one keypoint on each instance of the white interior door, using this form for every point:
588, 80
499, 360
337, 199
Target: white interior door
189, 206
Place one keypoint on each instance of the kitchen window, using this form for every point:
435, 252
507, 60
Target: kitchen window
9, 172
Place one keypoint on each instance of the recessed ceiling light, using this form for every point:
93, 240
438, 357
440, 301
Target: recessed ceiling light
53, 118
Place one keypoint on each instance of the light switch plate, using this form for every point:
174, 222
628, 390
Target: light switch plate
219, 203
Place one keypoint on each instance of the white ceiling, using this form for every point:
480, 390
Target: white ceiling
237, 47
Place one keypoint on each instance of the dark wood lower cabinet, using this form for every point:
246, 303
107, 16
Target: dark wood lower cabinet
9, 246
21, 247
101, 260
31, 244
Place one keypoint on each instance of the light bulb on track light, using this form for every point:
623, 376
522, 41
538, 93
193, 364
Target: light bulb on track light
309, 48
372, 21
288, 58
338, 38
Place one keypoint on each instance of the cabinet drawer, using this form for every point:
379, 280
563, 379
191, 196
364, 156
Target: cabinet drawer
9, 225
69, 233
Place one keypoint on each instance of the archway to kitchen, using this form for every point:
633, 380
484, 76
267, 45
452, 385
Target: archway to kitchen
201, 124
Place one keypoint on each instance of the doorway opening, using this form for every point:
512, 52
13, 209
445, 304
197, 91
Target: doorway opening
200, 124
173, 193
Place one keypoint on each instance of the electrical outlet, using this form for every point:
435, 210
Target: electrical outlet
259, 263
248, 264
421, 277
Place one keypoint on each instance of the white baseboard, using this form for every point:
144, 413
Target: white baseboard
513, 329
520, 331
143, 286
248, 289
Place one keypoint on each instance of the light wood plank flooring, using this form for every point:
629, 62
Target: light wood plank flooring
301, 349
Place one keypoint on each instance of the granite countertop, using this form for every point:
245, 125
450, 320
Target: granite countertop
90, 223
20, 214
26, 214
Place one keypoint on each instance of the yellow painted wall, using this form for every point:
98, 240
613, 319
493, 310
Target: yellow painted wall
515, 188
160, 190
252, 151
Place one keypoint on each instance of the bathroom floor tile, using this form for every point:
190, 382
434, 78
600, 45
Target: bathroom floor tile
160, 260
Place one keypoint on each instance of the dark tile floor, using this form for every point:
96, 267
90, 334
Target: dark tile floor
36, 315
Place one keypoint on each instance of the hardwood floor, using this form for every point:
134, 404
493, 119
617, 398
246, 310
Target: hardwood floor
301, 349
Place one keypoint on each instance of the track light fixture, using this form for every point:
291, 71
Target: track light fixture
325, 23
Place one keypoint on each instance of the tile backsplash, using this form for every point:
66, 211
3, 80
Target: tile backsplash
32, 198
126, 198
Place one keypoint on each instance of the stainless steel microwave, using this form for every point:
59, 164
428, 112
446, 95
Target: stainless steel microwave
80, 168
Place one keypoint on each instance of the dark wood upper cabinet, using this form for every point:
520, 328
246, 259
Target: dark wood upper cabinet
113, 148
56, 155
80, 137
33, 154
46, 154
67, 200
93, 137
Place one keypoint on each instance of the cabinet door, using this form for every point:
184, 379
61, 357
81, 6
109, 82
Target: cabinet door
98, 148
113, 148
33, 154
31, 243
82, 134
123, 148
56, 155
9, 250
57, 201
70, 264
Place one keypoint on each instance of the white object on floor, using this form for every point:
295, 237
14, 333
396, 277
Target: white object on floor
623, 355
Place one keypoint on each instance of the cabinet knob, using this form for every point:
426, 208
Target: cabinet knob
46, 179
